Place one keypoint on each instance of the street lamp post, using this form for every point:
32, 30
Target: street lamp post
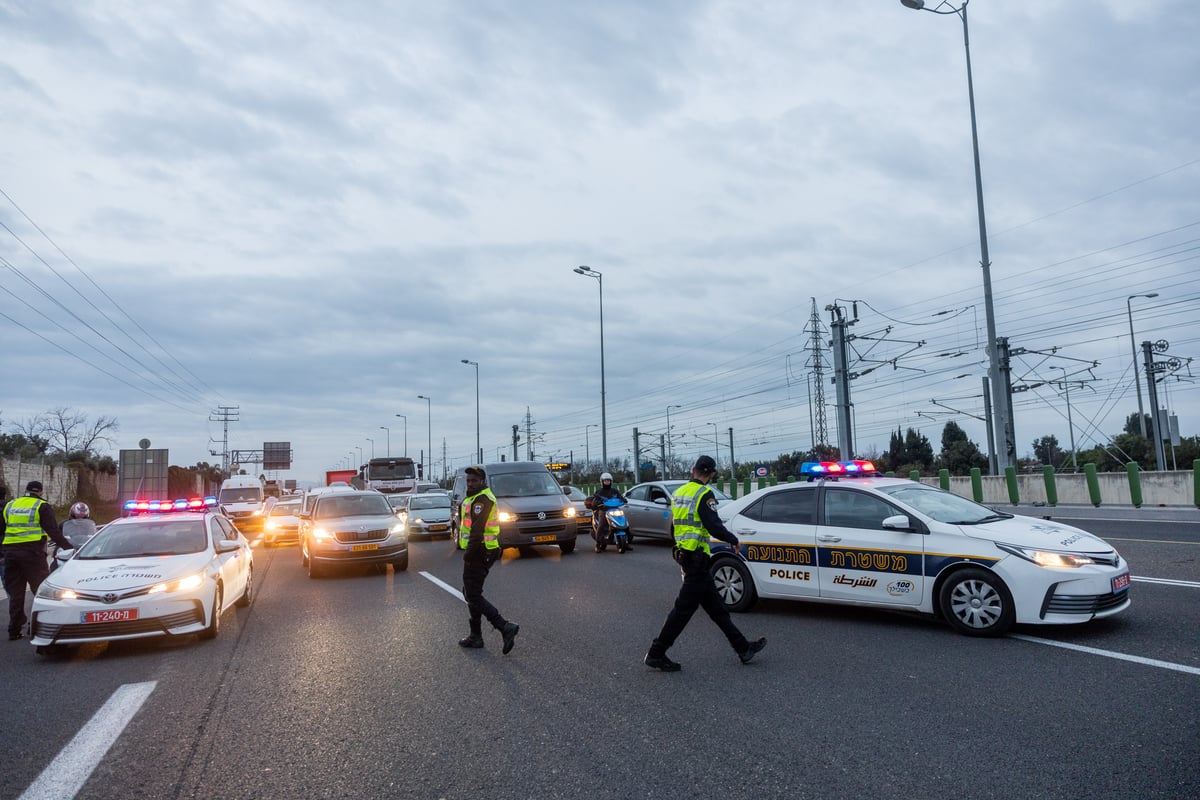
478, 448
591, 273
587, 442
1137, 370
429, 433
401, 416
1070, 425
670, 447
387, 430
372, 441
1001, 401
359, 449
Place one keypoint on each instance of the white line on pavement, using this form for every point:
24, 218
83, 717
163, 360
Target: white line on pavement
69, 770
1150, 662
444, 585
1166, 581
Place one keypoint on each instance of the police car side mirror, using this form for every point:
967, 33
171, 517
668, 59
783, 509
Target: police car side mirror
899, 522
227, 546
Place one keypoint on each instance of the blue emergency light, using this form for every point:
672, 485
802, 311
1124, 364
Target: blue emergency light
822, 469
159, 506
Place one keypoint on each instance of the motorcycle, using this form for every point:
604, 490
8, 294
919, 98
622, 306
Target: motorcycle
77, 532
618, 525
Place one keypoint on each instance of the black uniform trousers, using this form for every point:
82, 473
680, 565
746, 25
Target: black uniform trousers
475, 572
24, 564
698, 591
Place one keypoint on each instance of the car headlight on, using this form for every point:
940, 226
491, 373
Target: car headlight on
181, 585
398, 529
418, 521
507, 516
48, 592
272, 524
1047, 558
321, 535
570, 512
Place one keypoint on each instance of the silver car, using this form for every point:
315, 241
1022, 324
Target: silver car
428, 514
355, 527
649, 509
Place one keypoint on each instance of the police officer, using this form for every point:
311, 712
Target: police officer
596, 504
479, 535
26, 523
694, 509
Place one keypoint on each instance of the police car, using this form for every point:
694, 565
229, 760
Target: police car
851, 536
170, 568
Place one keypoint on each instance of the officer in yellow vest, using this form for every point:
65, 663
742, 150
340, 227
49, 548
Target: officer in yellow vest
694, 509
479, 535
26, 523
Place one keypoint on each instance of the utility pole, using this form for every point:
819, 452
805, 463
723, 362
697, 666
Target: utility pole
816, 364
516, 439
528, 435
637, 458
225, 415
841, 380
1156, 433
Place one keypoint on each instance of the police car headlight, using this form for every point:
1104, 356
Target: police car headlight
181, 585
507, 516
1047, 558
49, 592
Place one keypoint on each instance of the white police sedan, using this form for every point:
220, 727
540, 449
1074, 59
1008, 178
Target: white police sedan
172, 568
852, 536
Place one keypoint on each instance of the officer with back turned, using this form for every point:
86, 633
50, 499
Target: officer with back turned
25, 524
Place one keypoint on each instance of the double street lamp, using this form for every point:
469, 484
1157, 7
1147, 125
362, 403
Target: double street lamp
429, 432
1137, 370
478, 449
1001, 401
372, 441
591, 273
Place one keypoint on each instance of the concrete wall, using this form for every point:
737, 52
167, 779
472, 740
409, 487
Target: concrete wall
61, 482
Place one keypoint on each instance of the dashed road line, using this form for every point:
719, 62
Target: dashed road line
444, 585
1095, 651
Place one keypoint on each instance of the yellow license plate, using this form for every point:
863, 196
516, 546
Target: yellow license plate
358, 547
544, 538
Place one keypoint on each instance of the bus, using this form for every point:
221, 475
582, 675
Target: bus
390, 475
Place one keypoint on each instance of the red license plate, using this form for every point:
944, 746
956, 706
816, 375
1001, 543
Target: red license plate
114, 615
1120, 582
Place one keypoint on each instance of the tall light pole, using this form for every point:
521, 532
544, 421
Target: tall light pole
670, 447
401, 416
478, 449
1001, 401
1137, 370
388, 430
359, 449
716, 446
372, 441
591, 273
1070, 425
587, 442
429, 432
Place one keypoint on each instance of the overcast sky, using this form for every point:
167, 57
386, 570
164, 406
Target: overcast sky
315, 211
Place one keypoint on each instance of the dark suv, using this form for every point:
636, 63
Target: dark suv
533, 507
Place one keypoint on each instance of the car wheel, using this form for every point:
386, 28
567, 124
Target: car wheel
734, 584
214, 624
567, 547
52, 650
248, 595
401, 563
314, 569
976, 602
303, 553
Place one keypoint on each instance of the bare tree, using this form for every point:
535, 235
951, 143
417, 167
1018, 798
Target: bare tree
69, 431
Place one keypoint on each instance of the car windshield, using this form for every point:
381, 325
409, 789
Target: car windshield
398, 500
429, 501
392, 471
289, 509
360, 505
575, 493
163, 537
941, 505
248, 494
524, 484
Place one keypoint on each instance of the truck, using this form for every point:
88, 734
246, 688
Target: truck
392, 475
333, 476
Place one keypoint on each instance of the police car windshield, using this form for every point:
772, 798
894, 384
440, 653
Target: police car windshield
942, 506
150, 537
524, 484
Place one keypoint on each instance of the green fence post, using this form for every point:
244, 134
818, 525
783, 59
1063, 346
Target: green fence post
1196, 482
791, 478
1010, 477
977, 484
1051, 487
914, 475
889, 474
745, 488
944, 479
1093, 483
774, 481
1135, 483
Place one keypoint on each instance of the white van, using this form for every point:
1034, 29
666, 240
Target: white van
241, 500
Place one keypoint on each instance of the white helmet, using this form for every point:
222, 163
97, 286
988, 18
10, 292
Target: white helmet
606, 476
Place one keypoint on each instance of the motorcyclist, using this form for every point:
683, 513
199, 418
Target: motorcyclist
596, 503
79, 526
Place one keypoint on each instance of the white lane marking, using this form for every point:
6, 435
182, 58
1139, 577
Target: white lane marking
1146, 541
1166, 581
1150, 662
444, 585
70, 769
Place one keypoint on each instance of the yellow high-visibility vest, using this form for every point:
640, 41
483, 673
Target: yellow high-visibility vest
690, 533
491, 531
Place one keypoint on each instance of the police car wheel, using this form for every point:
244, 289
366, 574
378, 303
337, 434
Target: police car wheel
734, 584
976, 602
214, 624
248, 595
52, 650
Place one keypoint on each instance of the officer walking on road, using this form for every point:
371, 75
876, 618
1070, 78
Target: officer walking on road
26, 523
694, 509
479, 535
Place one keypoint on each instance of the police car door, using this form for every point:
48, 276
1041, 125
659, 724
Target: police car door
859, 560
778, 540
235, 563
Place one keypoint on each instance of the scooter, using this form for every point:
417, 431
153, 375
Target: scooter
618, 526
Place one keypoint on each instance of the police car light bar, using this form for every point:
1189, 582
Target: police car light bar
147, 506
821, 469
